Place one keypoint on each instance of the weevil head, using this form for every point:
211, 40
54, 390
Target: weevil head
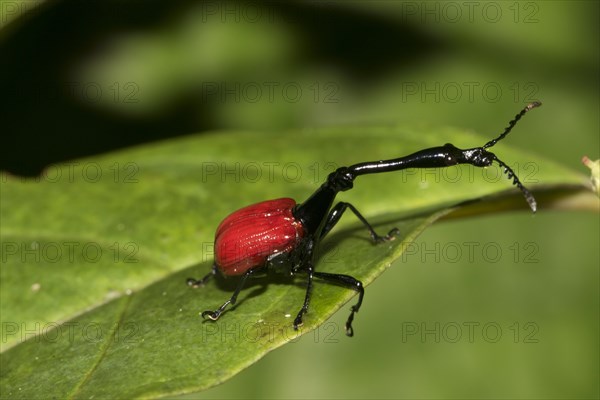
478, 157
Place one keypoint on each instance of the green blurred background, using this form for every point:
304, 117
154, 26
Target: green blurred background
80, 78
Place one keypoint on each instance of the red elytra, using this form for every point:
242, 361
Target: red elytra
250, 235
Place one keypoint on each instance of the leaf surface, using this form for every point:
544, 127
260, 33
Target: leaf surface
95, 253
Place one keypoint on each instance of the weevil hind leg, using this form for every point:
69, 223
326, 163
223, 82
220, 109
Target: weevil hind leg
196, 283
351, 283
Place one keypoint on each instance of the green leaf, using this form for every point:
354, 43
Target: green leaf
95, 253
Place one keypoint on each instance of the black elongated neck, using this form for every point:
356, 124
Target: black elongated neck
434, 157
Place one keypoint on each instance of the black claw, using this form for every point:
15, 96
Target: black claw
390, 236
194, 283
298, 321
349, 329
213, 315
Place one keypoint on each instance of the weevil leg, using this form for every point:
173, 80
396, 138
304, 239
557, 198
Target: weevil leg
351, 283
195, 283
338, 210
298, 320
214, 315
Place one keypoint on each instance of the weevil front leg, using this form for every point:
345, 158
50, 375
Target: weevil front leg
214, 315
196, 283
338, 210
351, 283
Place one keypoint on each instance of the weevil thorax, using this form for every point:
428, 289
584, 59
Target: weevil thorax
314, 210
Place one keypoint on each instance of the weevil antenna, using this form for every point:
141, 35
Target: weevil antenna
512, 123
515, 180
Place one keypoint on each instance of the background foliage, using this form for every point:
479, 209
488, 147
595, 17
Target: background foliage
82, 78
